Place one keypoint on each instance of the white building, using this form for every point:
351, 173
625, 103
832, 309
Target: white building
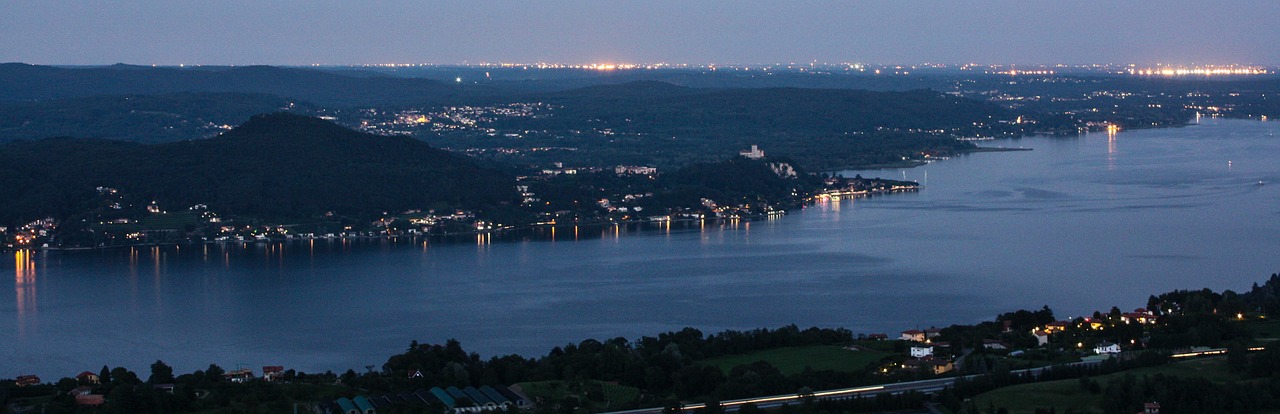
755, 153
634, 170
1042, 337
921, 351
913, 335
1106, 348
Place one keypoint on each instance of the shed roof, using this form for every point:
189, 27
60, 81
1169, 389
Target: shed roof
494, 395
512, 395
345, 404
478, 397
443, 396
363, 403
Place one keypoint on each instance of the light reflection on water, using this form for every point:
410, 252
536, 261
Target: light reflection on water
1079, 224
24, 286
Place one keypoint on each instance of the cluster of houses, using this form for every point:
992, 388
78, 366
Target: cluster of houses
923, 358
925, 354
1138, 316
454, 399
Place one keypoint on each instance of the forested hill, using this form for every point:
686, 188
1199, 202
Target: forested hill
273, 166
148, 119
23, 82
661, 107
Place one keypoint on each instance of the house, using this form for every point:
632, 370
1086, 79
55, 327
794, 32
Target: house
634, 170
1136, 317
994, 344
87, 378
921, 351
932, 333
1151, 408
81, 390
239, 375
1056, 326
913, 335
755, 153
878, 337
934, 365
1042, 337
25, 380
1106, 348
1095, 324
272, 372
415, 374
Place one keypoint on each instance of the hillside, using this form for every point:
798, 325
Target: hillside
670, 126
273, 166
148, 119
23, 82
661, 107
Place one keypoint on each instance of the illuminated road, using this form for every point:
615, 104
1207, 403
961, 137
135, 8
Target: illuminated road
924, 386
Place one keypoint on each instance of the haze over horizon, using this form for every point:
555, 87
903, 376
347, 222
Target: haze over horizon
332, 32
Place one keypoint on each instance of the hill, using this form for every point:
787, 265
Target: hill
658, 107
23, 82
273, 166
670, 126
140, 118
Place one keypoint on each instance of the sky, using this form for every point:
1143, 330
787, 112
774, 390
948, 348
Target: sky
303, 32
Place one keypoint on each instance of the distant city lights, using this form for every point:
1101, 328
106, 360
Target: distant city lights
1229, 70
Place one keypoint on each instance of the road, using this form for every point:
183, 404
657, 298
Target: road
924, 386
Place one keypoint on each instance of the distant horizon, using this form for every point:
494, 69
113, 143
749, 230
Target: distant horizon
650, 65
336, 32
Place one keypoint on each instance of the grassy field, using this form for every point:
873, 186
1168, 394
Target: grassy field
1067, 394
1264, 330
614, 395
794, 360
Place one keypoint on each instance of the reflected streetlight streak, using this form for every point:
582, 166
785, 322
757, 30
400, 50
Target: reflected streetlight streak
24, 286
1112, 131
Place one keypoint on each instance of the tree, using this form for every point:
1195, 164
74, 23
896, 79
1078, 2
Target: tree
214, 373
104, 376
120, 375
160, 373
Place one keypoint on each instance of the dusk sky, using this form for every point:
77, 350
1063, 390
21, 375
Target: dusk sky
570, 31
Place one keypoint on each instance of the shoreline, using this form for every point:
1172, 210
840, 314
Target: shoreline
839, 194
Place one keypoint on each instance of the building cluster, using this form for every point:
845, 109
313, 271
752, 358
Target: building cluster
1098, 337
924, 354
29, 234
634, 170
447, 119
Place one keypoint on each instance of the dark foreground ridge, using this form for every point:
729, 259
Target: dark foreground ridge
1183, 333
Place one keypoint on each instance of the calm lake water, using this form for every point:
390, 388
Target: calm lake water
1078, 224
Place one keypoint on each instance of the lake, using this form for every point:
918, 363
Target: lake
1078, 224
